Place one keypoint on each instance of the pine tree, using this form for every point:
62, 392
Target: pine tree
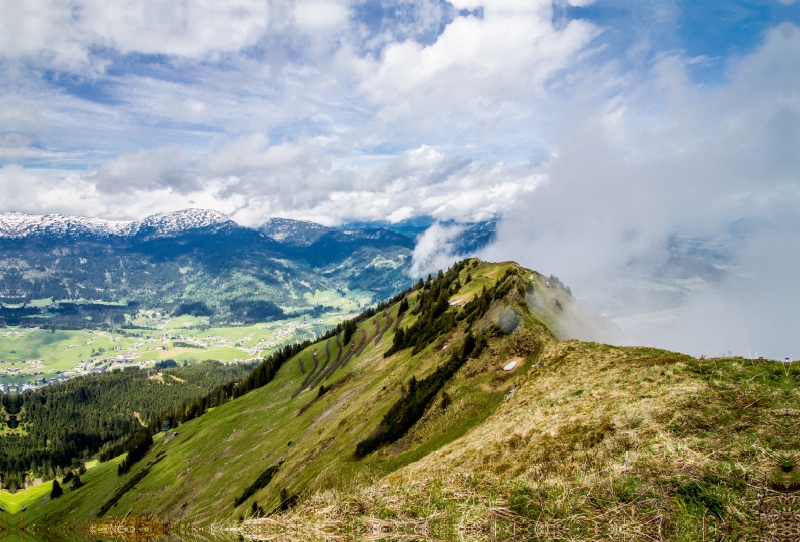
469, 345
56, 492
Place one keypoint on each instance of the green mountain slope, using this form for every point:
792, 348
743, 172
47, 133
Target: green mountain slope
573, 438
215, 457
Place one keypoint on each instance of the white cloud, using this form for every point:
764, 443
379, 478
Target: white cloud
403, 213
435, 250
478, 67
66, 31
320, 14
251, 180
147, 170
68, 35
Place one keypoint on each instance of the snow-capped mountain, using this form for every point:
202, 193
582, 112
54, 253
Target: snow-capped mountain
20, 225
293, 232
179, 221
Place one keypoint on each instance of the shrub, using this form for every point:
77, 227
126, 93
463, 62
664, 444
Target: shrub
288, 501
698, 496
166, 364
137, 447
411, 405
524, 503
76, 483
193, 308
119, 493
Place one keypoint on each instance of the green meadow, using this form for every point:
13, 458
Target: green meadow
33, 355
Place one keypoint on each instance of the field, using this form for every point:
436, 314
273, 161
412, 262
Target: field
34, 356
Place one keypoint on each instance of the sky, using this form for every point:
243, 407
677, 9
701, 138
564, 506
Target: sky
595, 132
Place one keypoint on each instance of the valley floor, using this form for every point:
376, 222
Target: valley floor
34, 357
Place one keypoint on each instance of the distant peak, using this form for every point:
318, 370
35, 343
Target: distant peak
186, 219
189, 214
277, 220
293, 232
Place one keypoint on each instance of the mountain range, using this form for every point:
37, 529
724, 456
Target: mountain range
195, 256
55, 226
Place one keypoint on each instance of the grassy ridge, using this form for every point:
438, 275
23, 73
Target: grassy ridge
578, 440
603, 442
215, 457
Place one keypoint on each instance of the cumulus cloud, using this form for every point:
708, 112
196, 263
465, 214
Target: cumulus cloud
147, 170
66, 33
439, 74
480, 71
41, 191
421, 182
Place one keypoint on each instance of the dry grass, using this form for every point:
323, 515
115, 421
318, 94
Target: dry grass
598, 442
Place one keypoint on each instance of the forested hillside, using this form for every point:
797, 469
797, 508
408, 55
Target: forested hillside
45, 430
294, 424
237, 274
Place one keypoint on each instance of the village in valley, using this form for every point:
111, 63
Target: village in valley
33, 357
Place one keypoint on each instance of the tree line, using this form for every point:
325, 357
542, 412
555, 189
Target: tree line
412, 404
78, 418
435, 319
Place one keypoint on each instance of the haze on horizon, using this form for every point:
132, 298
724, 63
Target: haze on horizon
601, 134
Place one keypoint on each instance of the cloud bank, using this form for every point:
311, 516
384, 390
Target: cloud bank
715, 163
315, 110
